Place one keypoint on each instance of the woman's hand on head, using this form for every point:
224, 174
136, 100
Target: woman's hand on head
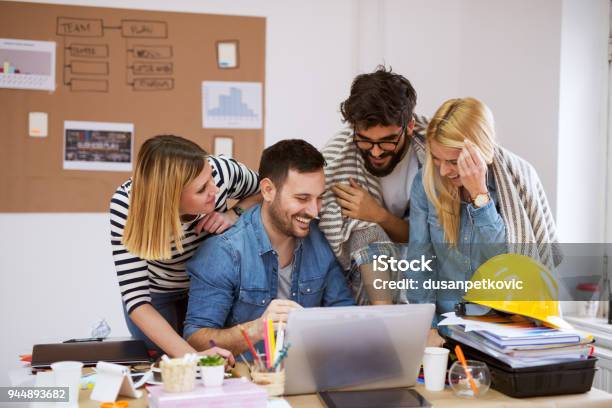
216, 222
472, 169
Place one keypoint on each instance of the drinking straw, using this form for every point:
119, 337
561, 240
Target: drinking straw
461, 357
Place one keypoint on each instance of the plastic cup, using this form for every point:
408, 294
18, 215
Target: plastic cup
435, 360
68, 374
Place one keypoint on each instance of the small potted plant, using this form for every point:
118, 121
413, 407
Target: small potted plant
212, 369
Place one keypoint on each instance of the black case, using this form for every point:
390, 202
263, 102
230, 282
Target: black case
89, 353
553, 379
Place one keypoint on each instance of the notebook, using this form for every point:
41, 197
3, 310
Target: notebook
121, 352
236, 392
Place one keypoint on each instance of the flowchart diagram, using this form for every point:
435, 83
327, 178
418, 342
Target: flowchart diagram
87, 63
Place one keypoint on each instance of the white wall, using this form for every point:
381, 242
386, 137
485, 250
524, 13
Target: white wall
583, 120
505, 53
508, 53
56, 280
583, 117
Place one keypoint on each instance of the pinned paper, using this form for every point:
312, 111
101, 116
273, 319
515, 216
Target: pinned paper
98, 146
26, 64
37, 124
227, 54
224, 145
113, 380
232, 105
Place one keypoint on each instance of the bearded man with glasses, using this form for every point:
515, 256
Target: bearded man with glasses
381, 156
369, 174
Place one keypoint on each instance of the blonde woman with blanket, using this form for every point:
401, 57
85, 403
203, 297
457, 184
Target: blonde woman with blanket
473, 200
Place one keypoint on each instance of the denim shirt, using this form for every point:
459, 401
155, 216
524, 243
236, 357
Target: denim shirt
482, 235
234, 276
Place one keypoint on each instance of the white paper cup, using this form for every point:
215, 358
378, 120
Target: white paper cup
435, 360
68, 374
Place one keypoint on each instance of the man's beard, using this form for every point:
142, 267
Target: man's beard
284, 224
383, 171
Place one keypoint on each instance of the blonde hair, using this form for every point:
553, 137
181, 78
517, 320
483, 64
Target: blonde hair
165, 165
454, 121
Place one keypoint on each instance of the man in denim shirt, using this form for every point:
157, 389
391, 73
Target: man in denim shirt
274, 260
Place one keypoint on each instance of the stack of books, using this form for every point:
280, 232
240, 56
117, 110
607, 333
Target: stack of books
518, 341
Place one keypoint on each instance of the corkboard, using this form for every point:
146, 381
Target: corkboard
32, 178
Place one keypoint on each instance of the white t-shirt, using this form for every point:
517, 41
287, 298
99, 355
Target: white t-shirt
397, 185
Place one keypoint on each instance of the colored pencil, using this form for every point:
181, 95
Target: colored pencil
272, 341
244, 360
280, 339
281, 356
250, 344
267, 356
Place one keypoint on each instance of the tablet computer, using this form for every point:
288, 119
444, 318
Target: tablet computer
385, 398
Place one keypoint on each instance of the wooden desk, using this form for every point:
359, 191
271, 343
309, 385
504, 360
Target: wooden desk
493, 399
444, 399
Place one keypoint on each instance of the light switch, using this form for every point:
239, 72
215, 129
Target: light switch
38, 124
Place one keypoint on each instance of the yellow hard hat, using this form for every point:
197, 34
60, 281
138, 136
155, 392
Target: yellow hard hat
538, 297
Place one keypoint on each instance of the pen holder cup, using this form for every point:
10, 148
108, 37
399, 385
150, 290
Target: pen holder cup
273, 382
178, 375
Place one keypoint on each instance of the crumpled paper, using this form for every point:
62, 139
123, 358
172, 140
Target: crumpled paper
100, 329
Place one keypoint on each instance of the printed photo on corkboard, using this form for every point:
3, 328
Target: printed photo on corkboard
100, 146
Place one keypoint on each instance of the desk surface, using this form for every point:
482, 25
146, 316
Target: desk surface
444, 399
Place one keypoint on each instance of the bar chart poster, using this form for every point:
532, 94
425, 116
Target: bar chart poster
26, 64
232, 105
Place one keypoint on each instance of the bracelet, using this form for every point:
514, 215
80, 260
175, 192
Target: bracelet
238, 210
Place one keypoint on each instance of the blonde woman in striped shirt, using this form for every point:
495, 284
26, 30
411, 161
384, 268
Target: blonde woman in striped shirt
176, 198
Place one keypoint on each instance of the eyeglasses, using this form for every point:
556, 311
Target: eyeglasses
386, 145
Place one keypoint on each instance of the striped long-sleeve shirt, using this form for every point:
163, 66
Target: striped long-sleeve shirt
137, 277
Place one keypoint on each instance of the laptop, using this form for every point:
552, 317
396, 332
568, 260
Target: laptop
355, 347
89, 353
